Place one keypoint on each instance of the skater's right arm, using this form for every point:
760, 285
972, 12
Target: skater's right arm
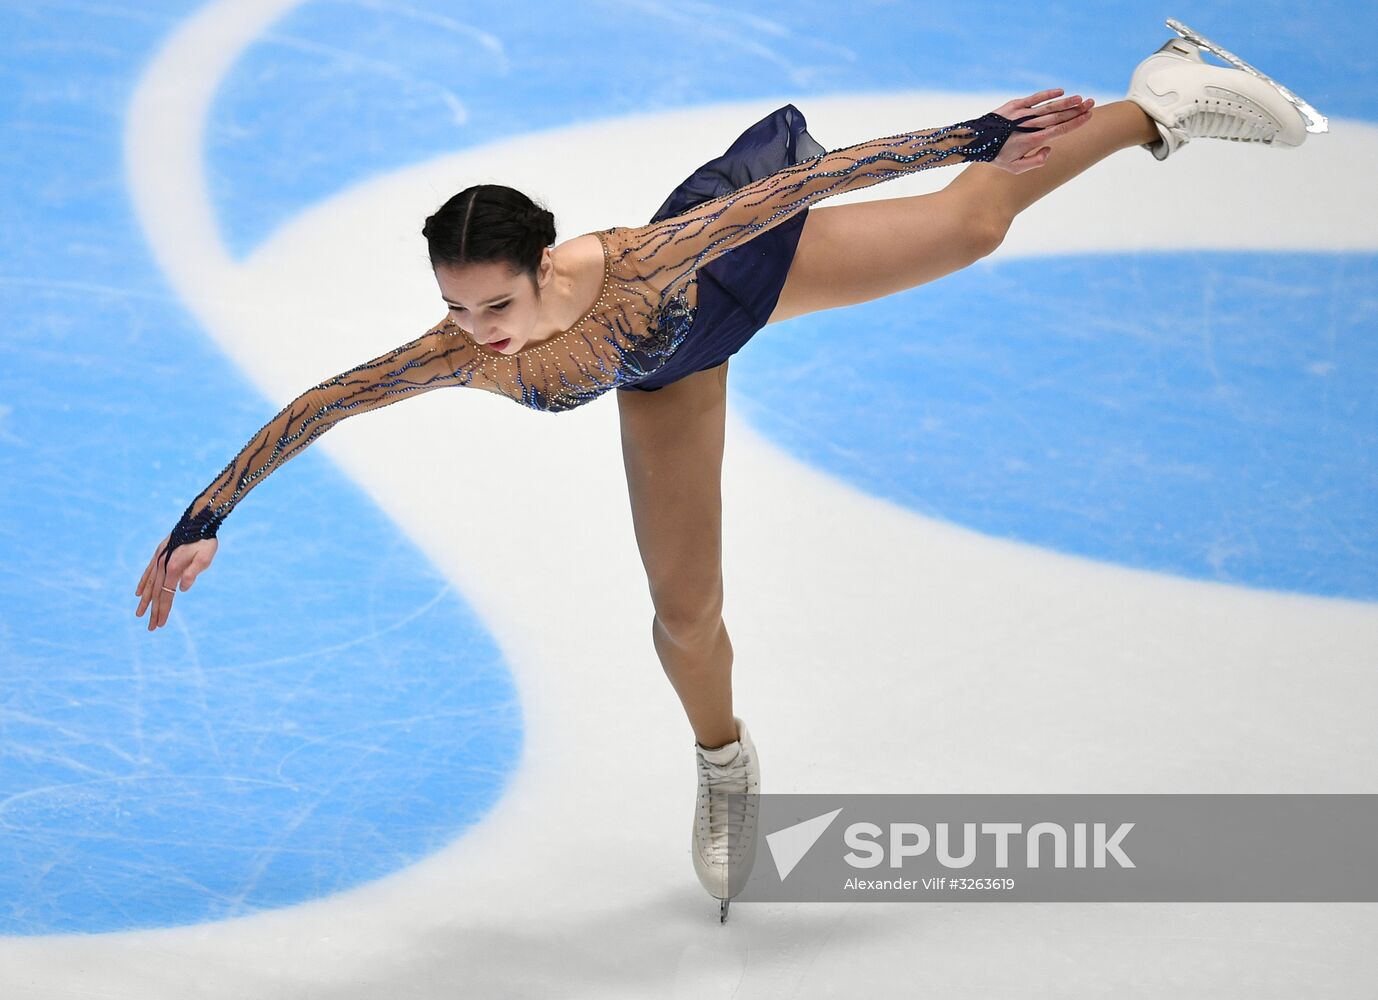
432, 361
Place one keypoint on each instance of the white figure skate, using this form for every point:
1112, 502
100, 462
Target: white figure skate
723, 865
1188, 98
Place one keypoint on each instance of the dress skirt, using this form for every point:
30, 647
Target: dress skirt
738, 290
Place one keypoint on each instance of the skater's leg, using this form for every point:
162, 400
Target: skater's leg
864, 250
672, 448
869, 249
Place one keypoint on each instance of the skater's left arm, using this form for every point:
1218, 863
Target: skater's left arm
675, 248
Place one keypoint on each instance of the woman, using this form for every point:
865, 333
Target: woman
655, 311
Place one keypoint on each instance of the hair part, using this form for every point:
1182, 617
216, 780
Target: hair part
490, 222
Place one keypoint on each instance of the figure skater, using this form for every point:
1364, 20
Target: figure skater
655, 311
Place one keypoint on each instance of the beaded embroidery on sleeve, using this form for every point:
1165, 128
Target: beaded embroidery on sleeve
643, 312
432, 361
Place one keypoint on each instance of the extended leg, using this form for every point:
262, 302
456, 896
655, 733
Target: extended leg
864, 250
672, 448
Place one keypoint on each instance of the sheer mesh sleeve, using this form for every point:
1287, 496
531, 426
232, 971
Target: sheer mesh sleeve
669, 252
432, 361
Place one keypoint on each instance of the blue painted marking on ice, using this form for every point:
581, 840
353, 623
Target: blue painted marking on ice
1231, 437
338, 91
322, 709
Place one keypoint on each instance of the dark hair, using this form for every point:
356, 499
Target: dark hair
490, 222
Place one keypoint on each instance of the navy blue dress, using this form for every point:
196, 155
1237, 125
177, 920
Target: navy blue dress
737, 291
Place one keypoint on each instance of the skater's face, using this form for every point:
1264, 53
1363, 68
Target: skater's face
497, 304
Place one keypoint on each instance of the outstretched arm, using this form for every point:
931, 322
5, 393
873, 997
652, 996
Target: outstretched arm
434, 360
671, 250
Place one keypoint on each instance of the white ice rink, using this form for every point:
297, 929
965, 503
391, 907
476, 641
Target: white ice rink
878, 648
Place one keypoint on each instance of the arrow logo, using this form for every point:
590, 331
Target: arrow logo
788, 846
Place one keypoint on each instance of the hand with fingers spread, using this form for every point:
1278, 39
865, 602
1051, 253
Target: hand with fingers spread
163, 575
1035, 123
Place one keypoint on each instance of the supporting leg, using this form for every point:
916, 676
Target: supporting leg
672, 448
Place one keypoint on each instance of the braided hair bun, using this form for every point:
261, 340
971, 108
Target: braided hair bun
490, 222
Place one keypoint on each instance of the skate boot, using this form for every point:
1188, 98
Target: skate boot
1189, 98
723, 867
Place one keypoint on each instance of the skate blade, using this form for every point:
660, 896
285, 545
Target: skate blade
1315, 121
723, 904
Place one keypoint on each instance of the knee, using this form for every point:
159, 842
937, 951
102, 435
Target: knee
688, 620
988, 231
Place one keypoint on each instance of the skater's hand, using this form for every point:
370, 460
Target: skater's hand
1060, 115
183, 567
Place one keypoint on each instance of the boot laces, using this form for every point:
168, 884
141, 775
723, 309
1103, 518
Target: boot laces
726, 817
